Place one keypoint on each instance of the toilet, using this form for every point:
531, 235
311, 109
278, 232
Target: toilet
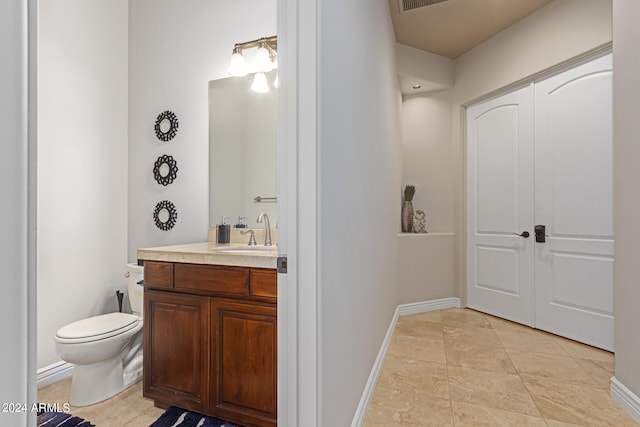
106, 350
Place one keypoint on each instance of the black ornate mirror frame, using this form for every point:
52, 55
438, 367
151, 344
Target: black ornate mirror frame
173, 170
173, 126
173, 215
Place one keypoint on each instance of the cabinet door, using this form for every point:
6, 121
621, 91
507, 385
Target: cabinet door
244, 362
176, 349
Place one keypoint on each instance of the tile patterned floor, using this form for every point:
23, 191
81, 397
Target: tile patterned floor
454, 367
128, 408
459, 367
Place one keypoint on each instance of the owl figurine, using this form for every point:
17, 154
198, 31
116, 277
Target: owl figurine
420, 222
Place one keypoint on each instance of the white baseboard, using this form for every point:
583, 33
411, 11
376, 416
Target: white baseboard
401, 310
370, 386
424, 306
54, 373
624, 397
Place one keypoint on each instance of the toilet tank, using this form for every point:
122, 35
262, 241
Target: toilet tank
135, 277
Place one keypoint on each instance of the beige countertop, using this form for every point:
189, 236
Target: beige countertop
213, 254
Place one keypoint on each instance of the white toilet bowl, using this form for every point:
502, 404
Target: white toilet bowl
106, 350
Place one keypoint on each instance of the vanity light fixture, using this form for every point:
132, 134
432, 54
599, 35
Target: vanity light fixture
236, 67
266, 59
260, 83
263, 59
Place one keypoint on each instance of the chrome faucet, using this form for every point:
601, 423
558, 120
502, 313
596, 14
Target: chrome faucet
267, 228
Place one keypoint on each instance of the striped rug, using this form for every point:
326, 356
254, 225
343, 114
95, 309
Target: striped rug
177, 417
61, 419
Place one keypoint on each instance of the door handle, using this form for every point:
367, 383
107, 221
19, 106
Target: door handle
524, 234
540, 233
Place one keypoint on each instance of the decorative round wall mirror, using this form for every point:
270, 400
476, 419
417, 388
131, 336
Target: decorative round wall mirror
165, 215
166, 126
165, 170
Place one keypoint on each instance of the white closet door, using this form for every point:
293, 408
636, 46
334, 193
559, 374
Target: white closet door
499, 204
573, 199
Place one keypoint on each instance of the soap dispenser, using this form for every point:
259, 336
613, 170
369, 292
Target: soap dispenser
241, 223
224, 230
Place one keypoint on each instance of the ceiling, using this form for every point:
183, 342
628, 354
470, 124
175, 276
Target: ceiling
453, 27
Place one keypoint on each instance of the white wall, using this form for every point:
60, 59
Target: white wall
426, 159
175, 48
82, 162
417, 67
558, 32
359, 170
426, 267
16, 262
626, 127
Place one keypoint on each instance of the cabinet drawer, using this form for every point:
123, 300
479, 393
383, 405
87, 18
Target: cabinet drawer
216, 279
264, 283
159, 274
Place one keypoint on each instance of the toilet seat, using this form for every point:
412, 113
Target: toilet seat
97, 328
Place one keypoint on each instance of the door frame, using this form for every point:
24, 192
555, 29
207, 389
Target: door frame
297, 329
298, 349
19, 220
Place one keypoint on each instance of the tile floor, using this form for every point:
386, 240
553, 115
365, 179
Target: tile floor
454, 367
459, 367
128, 408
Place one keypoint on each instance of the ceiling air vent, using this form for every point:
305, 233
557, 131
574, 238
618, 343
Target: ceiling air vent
406, 5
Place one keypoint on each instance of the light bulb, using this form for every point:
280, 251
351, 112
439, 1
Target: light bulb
260, 83
236, 67
263, 61
275, 82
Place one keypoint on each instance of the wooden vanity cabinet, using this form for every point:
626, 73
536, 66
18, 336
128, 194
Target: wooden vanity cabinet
210, 340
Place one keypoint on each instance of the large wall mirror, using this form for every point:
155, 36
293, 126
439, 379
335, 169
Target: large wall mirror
242, 150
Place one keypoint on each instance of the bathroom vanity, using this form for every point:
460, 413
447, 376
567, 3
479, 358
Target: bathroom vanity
210, 331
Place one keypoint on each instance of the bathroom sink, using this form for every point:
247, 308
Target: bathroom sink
246, 249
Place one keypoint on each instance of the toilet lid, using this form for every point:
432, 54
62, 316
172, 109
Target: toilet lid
98, 327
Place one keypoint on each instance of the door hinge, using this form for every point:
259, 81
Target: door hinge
282, 264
